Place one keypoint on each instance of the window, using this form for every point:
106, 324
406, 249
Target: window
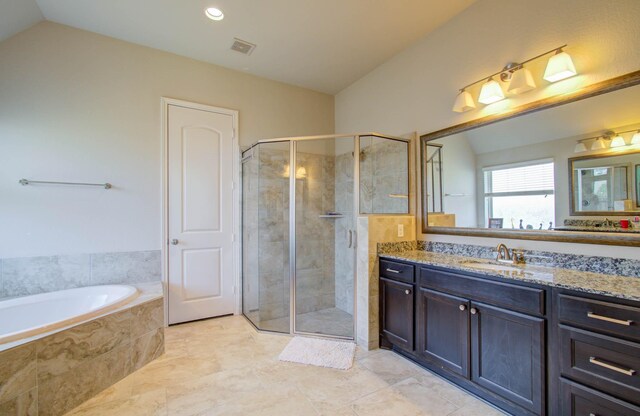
521, 194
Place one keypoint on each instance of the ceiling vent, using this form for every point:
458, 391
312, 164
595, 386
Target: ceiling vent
242, 46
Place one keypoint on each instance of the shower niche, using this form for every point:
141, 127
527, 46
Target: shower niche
300, 200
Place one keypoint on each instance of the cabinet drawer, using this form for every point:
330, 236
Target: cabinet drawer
577, 400
518, 298
600, 316
599, 361
396, 271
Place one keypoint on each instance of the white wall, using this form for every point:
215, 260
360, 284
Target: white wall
76, 106
415, 89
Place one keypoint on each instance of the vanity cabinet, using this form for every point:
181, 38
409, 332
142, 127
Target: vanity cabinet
443, 330
598, 354
485, 335
397, 310
474, 327
529, 349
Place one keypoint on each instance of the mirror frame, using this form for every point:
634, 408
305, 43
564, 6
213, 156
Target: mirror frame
572, 201
621, 239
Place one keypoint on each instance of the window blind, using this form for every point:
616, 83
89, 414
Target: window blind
529, 178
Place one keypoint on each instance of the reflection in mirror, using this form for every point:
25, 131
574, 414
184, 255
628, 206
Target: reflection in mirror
384, 176
518, 173
604, 185
433, 166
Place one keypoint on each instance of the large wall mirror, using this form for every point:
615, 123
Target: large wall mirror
564, 169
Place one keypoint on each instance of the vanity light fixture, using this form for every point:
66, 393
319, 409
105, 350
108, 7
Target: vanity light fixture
636, 138
598, 144
464, 102
491, 92
618, 141
560, 66
580, 147
214, 13
521, 81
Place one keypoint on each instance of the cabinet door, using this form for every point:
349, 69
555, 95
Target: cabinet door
443, 330
396, 312
507, 355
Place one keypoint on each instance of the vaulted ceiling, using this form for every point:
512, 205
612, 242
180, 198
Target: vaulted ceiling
323, 45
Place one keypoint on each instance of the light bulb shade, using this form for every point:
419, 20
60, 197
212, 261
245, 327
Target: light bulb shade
580, 147
464, 102
618, 141
636, 138
521, 81
598, 144
560, 66
491, 92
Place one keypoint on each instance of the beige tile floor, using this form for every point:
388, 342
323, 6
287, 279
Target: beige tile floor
331, 321
224, 367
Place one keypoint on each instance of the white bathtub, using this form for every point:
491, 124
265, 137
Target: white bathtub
27, 316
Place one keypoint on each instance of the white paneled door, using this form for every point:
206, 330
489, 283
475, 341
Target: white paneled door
200, 152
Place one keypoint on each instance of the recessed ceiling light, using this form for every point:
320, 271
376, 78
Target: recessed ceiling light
214, 14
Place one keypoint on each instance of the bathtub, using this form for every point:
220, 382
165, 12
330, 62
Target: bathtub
28, 316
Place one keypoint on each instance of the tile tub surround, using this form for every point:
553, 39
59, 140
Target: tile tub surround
622, 287
53, 374
594, 264
32, 275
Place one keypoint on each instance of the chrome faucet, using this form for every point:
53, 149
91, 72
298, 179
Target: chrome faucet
504, 256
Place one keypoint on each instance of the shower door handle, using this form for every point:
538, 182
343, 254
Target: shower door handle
350, 238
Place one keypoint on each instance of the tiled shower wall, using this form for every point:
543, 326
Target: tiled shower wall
31, 275
325, 265
266, 232
383, 172
384, 176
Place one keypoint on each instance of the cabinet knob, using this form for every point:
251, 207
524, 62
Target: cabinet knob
473, 311
407, 292
462, 307
174, 242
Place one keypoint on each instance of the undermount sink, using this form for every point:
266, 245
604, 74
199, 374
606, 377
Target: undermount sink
492, 266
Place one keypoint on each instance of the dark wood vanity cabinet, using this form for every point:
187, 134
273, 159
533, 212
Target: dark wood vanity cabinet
473, 331
443, 330
397, 304
508, 355
529, 349
597, 340
397, 311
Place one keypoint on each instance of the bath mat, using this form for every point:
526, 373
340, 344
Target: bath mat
319, 352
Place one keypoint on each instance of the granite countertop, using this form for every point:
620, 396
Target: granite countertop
622, 287
597, 229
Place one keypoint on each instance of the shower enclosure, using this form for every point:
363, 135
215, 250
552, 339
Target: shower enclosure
299, 199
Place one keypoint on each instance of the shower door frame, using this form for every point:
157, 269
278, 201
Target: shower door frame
293, 141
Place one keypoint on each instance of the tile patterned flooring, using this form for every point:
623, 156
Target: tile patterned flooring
224, 367
331, 321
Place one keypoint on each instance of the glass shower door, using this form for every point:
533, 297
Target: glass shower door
324, 237
265, 236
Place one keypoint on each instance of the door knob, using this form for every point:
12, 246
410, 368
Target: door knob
174, 242
473, 311
462, 307
407, 292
